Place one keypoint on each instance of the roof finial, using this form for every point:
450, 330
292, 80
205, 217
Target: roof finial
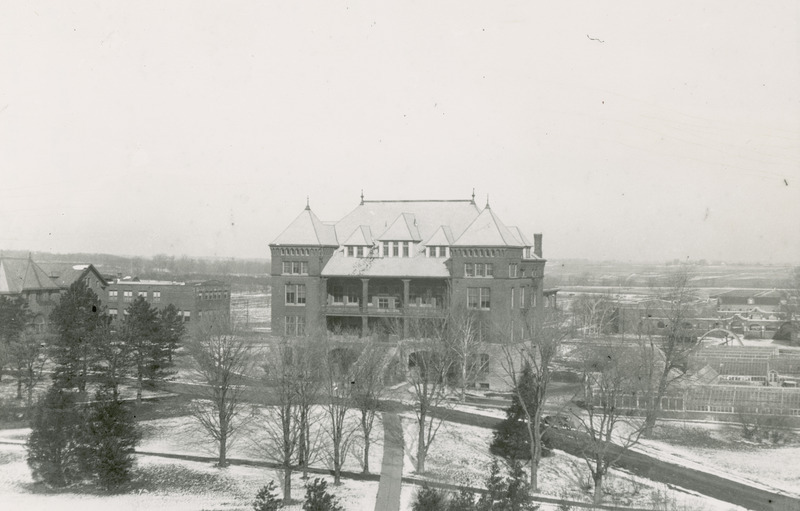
308, 205
473, 195
487, 201
362, 196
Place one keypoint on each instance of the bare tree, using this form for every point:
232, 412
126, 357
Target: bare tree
429, 367
609, 428
29, 353
593, 314
222, 359
367, 392
666, 354
281, 423
465, 341
536, 352
307, 367
338, 382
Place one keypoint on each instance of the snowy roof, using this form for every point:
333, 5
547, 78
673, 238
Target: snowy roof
429, 216
404, 228
64, 274
341, 266
442, 237
361, 236
307, 229
18, 275
487, 231
520, 236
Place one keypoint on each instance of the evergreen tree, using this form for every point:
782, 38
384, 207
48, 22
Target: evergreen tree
464, 500
112, 437
429, 499
79, 320
172, 331
140, 332
56, 445
14, 317
511, 439
267, 498
318, 498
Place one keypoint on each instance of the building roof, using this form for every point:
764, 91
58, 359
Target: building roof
64, 274
341, 266
441, 238
429, 216
487, 230
404, 228
362, 236
750, 293
307, 229
520, 236
20, 275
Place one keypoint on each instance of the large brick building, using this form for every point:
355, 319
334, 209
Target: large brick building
387, 263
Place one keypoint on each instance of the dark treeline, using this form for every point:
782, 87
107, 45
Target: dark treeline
160, 266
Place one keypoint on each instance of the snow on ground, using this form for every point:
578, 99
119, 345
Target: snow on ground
718, 448
166, 484
460, 455
183, 435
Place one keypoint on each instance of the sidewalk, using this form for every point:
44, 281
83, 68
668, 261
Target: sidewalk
388, 498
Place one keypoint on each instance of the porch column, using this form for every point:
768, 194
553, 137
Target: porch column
364, 301
406, 286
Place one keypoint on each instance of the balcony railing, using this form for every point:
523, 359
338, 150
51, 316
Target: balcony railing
411, 311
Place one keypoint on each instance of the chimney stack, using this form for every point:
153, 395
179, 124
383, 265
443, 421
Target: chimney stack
537, 244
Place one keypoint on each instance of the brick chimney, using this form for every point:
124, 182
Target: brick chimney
537, 244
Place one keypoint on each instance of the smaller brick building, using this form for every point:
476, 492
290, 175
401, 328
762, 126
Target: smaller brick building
194, 300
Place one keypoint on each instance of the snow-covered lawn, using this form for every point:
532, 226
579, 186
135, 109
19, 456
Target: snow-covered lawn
719, 448
165, 484
460, 455
183, 435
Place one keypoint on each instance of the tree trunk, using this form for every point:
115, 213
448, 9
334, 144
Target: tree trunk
598, 489
337, 469
223, 446
19, 385
366, 454
421, 447
287, 486
139, 390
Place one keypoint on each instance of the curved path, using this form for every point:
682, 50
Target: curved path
388, 498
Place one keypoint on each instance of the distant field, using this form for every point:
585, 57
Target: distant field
252, 310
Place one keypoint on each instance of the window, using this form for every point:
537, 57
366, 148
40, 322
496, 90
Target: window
522, 298
295, 325
352, 295
127, 296
295, 294
406, 248
143, 294
295, 267
351, 251
187, 315
112, 295
479, 298
478, 269
112, 313
512, 270
383, 303
395, 249
338, 294
156, 296
512, 298
385, 248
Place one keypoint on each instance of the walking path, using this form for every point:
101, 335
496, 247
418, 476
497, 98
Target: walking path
388, 498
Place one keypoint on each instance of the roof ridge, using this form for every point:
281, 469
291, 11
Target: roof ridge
421, 200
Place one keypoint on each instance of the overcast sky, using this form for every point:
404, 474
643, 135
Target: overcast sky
628, 130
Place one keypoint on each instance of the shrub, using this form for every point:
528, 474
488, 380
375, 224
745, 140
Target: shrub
318, 498
429, 499
267, 498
